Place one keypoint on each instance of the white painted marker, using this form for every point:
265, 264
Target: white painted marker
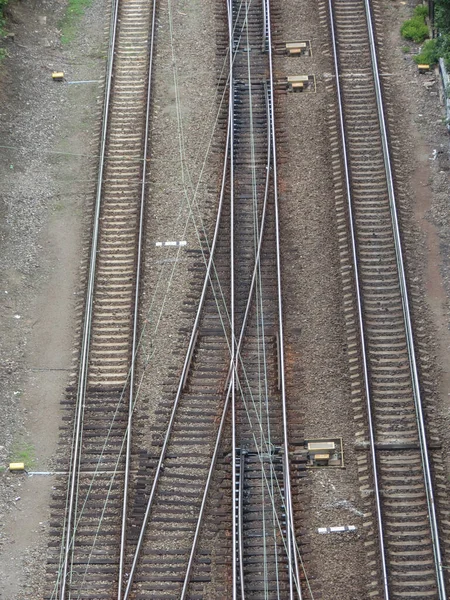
164, 244
340, 529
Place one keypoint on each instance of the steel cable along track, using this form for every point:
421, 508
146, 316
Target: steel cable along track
409, 551
88, 563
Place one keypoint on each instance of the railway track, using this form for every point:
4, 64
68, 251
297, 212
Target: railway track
404, 543
259, 426
87, 563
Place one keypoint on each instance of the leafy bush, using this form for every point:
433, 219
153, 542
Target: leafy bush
442, 15
429, 54
3, 3
439, 47
415, 29
434, 49
421, 10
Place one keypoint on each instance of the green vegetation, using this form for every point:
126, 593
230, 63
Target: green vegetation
3, 4
23, 451
68, 25
421, 10
429, 54
442, 15
416, 29
441, 48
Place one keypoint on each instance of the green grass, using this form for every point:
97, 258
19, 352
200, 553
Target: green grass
421, 10
429, 54
23, 451
3, 31
416, 29
433, 49
68, 25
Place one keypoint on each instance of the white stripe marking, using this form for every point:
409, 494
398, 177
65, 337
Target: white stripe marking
164, 244
340, 529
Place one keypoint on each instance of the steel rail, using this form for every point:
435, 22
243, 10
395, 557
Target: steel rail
232, 298
183, 376
230, 389
240, 519
84, 352
131, 398
226, 403
406, 311
289, 511
230, 369
264, 36
359, 307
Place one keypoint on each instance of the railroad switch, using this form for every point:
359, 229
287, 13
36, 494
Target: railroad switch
301, 83
17, 467
58, 76
298, 48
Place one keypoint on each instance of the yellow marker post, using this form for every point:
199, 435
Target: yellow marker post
423, 68
17, 467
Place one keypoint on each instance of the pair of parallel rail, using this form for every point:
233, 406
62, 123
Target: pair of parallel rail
409, 549
239, 324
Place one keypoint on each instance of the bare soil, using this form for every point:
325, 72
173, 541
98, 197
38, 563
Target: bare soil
47, 134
